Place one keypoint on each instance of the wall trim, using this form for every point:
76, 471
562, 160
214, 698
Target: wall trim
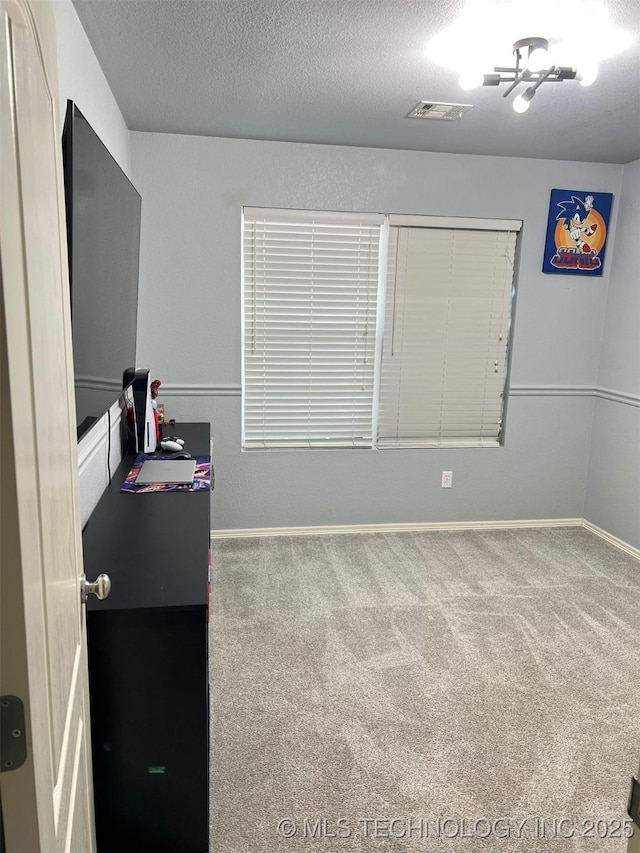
426, 527
175, 390
575, 391
551, 391
611, 539
618, 397
396, 528
233, 390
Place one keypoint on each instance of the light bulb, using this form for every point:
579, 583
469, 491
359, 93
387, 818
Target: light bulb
521, 103
470, 79
538, 59
587, 74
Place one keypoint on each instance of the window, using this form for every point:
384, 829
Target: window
310, 294
446, 331
361, 330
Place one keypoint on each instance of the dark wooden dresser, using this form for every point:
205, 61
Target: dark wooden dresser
148, 667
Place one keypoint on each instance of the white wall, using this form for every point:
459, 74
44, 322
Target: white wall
613, 494
189, 328
81, 79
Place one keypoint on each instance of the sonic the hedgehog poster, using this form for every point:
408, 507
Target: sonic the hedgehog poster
577, 232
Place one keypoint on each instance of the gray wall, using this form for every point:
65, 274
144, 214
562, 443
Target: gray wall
81, 78
189, 328
613, 493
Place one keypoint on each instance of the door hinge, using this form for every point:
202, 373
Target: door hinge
13, 741
634, 803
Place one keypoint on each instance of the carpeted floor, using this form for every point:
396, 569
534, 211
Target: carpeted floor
366, 686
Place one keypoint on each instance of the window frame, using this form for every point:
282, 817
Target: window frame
440, 421
386, 222
322, 240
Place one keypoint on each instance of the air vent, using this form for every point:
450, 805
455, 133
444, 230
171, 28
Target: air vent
439, 111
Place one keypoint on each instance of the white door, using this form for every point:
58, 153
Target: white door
47, 803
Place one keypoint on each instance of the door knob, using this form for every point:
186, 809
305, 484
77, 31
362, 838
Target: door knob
101, 587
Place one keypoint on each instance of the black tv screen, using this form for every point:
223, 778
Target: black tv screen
103, 232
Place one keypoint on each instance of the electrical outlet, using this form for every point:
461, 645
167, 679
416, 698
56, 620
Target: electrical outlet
447, 479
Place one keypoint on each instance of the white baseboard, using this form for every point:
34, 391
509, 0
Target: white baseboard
611, 539
396, 528
427, 526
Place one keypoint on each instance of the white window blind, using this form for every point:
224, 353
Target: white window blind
444, 356
310, 284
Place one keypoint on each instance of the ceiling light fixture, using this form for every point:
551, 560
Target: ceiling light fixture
533, 65
522, 101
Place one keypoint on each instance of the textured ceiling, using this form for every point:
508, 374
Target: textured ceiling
346, 72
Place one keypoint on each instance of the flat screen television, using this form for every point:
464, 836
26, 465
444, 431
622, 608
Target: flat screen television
103, 232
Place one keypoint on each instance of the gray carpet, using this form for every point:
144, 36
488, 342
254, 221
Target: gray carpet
411, 677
